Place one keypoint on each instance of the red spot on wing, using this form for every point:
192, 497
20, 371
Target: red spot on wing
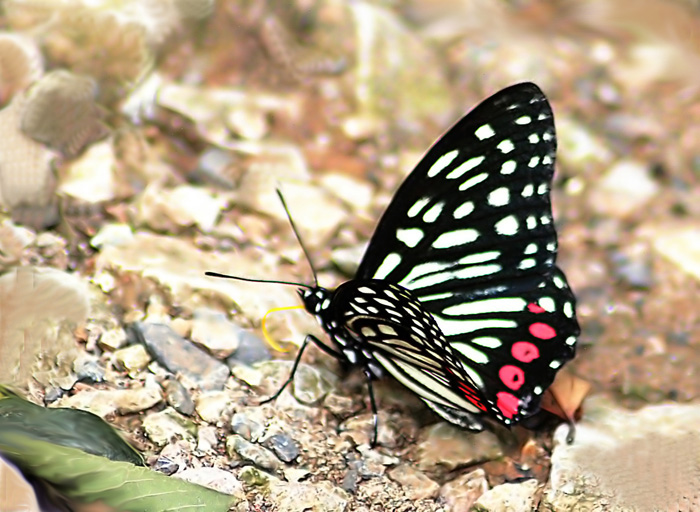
507, 403
535, 308
542, 331
524, 351
512, 376
470, 394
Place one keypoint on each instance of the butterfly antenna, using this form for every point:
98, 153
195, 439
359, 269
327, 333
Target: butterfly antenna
252, 280
296, 234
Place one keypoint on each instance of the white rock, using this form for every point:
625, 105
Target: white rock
628, 460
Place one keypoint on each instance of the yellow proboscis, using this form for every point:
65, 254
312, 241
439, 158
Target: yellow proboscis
266, 334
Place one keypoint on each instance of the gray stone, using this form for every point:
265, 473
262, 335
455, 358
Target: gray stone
253, 453
283, 446
180, 356
251, 349
178, 396
246, 426
88, 368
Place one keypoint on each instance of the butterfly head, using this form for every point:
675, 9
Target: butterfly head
316, 300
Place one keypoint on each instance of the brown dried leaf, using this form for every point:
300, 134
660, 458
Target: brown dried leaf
565, 396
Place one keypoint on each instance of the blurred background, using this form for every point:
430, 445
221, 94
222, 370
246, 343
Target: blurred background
141, 143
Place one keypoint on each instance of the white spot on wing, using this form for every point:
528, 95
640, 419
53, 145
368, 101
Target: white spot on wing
473, 181
533, 138
484, 132
442, 162
527, 263
487, 342
534, 162
571, 340
531, 248
454, 238
507, 225
391, 261
441, 277
506, 146
531, 222
479, 257
364, 289
368, 331
463, 210
548, 304
471, 353
387, 329
568, 310
434, 212
456, 327
501, 305
499, 197
528, 190
523, 120
509, 167
411, 236
465, 167
417, 207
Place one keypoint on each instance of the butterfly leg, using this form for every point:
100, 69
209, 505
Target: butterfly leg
310, 338
297, 360
373, 405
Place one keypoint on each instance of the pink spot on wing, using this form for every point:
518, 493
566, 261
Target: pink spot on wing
512, 376
524, 351
507, 403
535, 308
542, 331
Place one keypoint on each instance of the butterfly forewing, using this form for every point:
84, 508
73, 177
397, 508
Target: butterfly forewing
470, 233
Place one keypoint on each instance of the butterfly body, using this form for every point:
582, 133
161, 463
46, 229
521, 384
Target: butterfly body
458, 296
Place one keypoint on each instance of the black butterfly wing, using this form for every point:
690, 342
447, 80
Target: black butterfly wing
470, 233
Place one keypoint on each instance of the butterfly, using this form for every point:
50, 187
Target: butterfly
458, 296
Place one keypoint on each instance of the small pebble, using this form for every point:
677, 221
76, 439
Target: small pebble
253, 453
166, 466
178, 397
284, 447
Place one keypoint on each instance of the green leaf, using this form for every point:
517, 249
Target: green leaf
90, 478
67, 427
